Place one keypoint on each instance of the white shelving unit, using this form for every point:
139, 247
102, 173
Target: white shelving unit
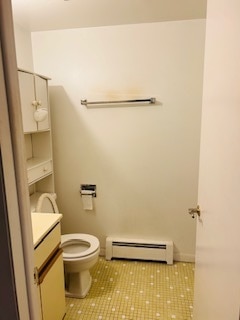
37, 134
38, 154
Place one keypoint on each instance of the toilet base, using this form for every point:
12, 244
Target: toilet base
77, 284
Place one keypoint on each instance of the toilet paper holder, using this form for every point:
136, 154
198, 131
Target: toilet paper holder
88, 189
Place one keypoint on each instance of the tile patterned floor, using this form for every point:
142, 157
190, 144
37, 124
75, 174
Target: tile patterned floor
137, 290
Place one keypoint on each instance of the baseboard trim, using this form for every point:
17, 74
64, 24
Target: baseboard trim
181, 257
102, 252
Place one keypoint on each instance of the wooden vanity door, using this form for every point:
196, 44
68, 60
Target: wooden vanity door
52, 290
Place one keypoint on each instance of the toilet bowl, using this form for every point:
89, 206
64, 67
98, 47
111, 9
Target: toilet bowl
80, 253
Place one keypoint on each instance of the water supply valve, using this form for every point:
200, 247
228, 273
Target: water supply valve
193, 211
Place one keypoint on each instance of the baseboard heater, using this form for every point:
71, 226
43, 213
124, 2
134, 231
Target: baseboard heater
139, 249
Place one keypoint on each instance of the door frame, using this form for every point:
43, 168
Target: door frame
15, 179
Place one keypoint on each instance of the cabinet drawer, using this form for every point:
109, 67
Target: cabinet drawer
44, 250
39, 171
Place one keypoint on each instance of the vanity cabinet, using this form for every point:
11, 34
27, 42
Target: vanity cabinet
48, 261
37, 132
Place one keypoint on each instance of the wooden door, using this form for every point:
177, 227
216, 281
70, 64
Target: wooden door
217, 277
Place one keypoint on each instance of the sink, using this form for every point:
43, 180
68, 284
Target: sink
42, 223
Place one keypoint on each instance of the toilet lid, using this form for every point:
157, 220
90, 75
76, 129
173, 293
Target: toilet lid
88, 244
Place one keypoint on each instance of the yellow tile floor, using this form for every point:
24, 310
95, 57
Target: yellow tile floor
137, 290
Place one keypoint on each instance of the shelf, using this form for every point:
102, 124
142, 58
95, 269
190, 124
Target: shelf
38, 168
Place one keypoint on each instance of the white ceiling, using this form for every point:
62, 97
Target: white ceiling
40, 15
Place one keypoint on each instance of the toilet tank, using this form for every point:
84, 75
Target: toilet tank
46, 204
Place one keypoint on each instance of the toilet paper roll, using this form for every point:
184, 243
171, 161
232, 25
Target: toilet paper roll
87, 199
87, 202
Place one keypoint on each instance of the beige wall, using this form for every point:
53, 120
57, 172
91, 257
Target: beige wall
144, 160
23, 48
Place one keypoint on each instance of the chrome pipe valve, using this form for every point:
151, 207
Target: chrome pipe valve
194, 211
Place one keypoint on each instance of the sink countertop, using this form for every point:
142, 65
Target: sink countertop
42, 223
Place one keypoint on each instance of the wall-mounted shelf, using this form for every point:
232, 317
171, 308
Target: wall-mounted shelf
148, 100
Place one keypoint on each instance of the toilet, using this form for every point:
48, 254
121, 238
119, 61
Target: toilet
80, 253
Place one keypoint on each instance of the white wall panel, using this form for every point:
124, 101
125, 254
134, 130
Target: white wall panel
144, 160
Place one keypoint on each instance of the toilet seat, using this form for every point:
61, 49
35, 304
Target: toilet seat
80, 238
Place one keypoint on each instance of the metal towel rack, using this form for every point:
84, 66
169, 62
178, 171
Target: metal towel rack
149, 100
